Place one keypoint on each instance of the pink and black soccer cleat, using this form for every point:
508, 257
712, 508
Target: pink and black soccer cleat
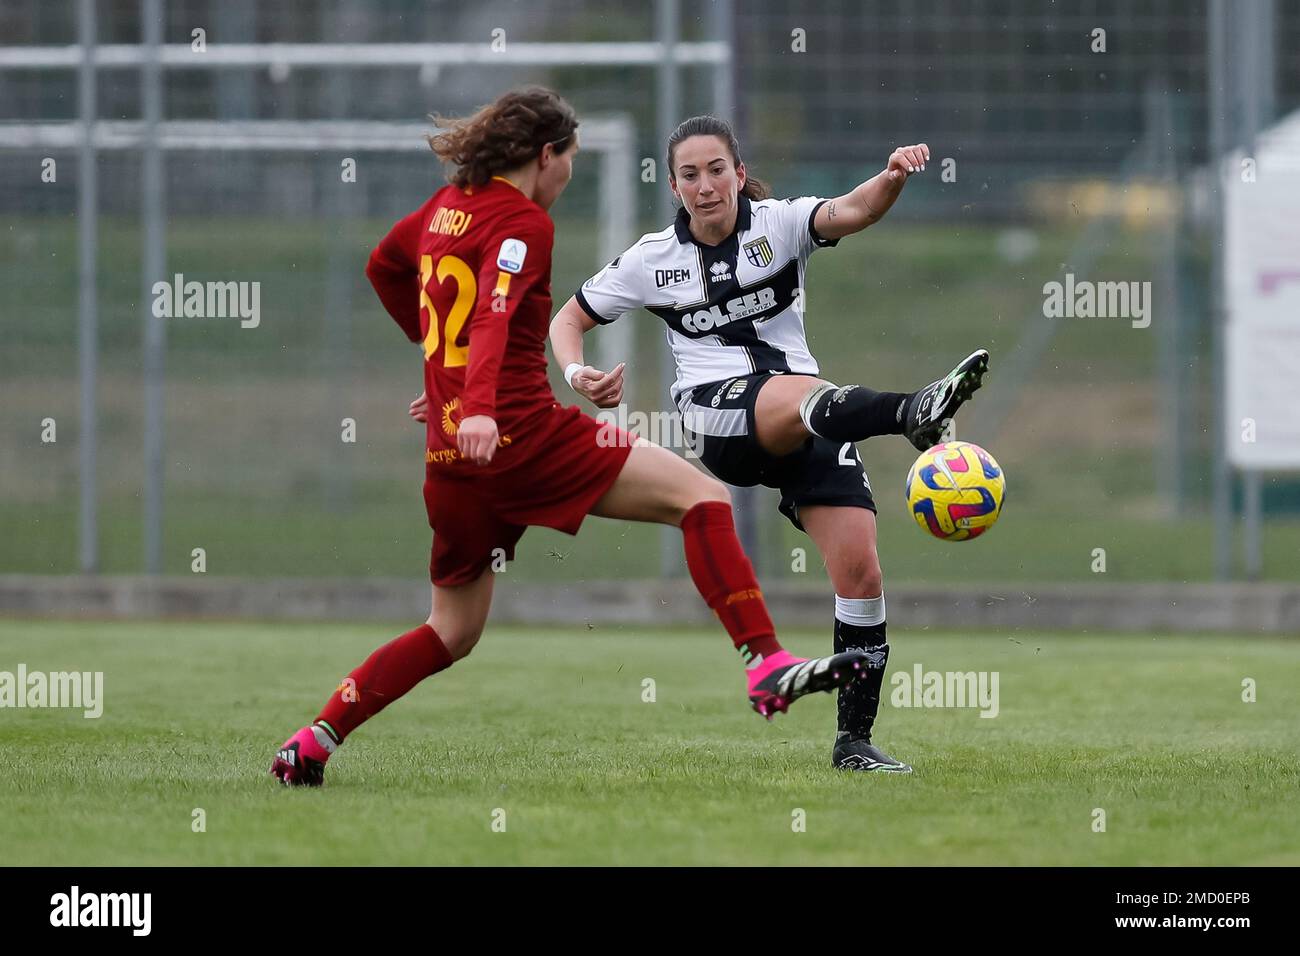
301, 761
778, 681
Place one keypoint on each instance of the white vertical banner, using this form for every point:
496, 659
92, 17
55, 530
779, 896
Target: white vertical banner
1262, 289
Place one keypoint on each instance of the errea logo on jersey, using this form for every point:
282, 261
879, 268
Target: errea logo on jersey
512, 255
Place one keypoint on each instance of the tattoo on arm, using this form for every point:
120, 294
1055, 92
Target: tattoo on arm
830, 210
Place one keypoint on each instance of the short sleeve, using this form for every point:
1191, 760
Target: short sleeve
615, 289
799, 212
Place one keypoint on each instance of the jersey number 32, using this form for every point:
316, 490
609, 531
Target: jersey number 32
449, 267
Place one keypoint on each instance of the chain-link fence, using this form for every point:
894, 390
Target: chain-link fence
1060, 152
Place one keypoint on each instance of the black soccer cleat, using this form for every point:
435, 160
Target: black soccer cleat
859, 753
783, 685
928, 411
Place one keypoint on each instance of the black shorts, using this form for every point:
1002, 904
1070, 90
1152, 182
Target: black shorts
718, 420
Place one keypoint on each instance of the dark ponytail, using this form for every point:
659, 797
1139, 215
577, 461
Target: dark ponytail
712, 126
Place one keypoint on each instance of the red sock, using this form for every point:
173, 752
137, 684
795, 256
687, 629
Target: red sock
386, 675
725, 578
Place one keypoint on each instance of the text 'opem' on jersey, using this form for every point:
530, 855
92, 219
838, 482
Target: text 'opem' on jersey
731, 309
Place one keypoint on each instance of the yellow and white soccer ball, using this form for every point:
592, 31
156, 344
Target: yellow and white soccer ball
955, 490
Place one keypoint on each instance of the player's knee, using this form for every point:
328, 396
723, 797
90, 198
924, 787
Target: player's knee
704, 488
700, 489
713, 490
459, 641
463, 648
864, 577
873, 582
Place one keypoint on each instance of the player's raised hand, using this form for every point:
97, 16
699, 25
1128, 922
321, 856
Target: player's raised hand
602, 389
477, 439
905, 161
419, 409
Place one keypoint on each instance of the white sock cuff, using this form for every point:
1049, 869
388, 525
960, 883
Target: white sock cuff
806, 406
860, 612
324, 739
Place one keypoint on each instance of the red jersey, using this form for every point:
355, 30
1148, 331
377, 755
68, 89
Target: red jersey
469, 275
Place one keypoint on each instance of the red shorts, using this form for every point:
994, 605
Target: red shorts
555, 472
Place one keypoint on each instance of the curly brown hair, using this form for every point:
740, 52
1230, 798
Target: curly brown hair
713, 126
504, 135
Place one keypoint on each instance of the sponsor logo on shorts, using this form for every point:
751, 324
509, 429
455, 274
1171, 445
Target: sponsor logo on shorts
446, 456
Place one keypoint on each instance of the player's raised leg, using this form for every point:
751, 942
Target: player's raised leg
790, 408
784, 402
846, 537
656, 485
453, 627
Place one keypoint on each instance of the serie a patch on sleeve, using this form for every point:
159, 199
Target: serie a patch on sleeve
512, 255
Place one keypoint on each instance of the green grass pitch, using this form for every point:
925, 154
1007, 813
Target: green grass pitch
550, 726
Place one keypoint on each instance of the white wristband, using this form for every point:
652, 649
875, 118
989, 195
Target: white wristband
573, 369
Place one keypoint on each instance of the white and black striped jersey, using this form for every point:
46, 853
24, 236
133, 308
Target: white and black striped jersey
731, 309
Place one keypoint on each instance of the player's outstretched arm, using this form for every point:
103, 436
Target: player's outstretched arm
571, 323
868, 202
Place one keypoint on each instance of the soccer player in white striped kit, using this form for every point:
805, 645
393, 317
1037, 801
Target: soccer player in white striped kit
727, 278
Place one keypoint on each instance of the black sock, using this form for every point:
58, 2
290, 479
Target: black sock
853, 413
859, 701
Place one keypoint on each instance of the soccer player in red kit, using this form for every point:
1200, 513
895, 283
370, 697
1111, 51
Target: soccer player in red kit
468, 276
